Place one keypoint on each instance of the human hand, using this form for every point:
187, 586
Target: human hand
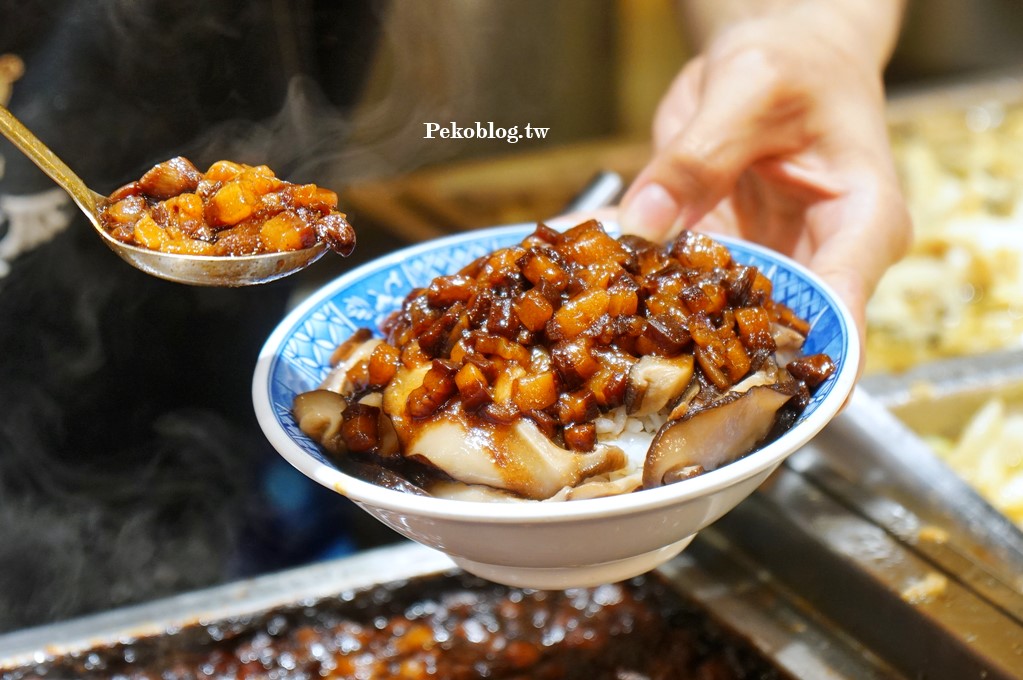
776, 134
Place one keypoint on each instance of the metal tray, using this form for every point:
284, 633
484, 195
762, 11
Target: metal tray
848, 523
938, 398
735, 593
813, 570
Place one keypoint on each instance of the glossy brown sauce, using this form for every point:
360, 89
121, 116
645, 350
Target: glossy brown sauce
231, 209
451, 627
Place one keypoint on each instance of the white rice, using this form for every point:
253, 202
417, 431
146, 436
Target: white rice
630, 433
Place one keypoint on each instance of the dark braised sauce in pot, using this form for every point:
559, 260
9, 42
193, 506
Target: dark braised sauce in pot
231, 209
452, 627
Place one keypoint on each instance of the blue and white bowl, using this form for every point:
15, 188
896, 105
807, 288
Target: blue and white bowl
534, 544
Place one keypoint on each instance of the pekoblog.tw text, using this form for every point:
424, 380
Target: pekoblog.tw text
484, 131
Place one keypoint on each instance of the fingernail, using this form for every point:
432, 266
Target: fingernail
651, 213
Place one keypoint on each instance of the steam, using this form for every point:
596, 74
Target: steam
440, 61
304, 140
129, 454
104, 536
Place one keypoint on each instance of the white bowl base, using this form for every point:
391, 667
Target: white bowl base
583, 576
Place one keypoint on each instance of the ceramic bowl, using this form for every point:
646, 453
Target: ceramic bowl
534, 544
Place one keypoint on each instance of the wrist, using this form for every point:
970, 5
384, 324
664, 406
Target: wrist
867, 31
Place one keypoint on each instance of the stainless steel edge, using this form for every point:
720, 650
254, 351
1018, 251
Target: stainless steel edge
939, 398
747, 599
878, 465
954, 385
604, 189
291, 587
863, 579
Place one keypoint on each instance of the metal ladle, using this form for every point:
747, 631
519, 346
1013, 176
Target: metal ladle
200, 270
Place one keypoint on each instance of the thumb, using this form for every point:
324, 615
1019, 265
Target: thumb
745, 114
851, 287
870, 230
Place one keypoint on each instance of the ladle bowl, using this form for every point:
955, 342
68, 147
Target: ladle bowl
199, 270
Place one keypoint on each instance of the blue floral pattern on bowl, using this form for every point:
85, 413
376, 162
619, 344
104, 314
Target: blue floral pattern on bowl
302, 344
